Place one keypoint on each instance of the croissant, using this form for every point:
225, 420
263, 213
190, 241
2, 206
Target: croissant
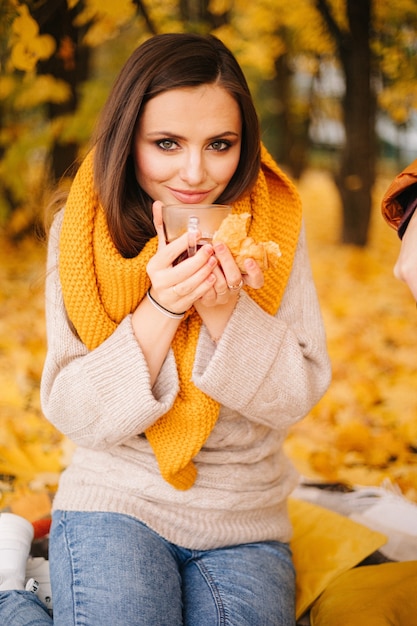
233, 231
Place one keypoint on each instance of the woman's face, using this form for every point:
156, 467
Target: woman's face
187, 144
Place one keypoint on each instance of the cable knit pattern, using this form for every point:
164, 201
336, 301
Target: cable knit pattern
100, 288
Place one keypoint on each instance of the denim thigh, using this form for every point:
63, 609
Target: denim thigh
22, 608
244, 585
111, 570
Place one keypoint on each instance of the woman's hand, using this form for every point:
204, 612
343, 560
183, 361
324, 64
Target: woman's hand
207, 280
229, 279
177, 287
253, 277
216, 306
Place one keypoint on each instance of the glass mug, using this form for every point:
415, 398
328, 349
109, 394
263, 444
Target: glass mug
181, 218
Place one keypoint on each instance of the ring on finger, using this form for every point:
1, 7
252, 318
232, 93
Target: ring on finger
237, 286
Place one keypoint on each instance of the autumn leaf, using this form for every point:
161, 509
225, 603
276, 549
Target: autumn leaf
7, 84
24, 26
43, 88
106, 17
28, 46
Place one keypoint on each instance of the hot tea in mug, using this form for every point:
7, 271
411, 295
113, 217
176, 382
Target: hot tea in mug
180, 218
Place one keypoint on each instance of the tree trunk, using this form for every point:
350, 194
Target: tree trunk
70, 63
357, 169
197, 16
358, 159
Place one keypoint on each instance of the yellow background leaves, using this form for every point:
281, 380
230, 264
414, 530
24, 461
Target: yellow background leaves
31, 451
105, 16
363, 431
28, 46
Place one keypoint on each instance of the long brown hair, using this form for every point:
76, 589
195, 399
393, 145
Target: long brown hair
164, 62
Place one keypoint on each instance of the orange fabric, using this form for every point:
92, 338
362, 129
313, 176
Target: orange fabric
392, 210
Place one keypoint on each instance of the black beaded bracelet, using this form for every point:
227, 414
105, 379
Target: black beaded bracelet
162, 309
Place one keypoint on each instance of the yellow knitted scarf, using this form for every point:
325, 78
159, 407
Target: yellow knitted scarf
100, 288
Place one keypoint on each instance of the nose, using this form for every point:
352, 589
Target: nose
193, 170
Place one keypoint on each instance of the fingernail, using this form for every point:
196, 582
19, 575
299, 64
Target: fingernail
220, 247
212, 261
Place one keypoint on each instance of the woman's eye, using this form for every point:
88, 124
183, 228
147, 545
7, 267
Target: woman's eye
219, 145
167, 144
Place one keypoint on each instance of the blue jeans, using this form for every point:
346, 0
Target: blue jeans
112, 570
22, 608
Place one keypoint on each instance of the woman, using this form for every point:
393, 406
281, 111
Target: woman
177, 382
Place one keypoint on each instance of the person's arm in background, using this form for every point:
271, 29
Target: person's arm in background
398, 208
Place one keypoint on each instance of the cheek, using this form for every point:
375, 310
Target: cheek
226, 170
147, 169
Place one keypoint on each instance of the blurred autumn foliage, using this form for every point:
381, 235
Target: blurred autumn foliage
325, 74
364, 430
30, 449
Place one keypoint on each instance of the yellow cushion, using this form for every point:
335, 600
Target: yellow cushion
325, 544
377, 595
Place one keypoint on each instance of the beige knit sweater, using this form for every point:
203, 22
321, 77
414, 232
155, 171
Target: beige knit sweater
266, 372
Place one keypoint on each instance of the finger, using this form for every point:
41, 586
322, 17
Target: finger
220, 287
187, 266
254, 276
169, 253
158, 223
231, 271
187, 276
188, 292
196, 284
209, 298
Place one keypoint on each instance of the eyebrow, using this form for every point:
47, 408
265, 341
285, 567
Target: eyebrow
165, 133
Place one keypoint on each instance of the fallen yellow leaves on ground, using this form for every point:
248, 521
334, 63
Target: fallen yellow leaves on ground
363, 432
31, 450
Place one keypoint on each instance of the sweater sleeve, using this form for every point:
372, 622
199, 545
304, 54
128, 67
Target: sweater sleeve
97, 398
271, 369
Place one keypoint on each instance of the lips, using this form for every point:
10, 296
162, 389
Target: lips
190, 197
